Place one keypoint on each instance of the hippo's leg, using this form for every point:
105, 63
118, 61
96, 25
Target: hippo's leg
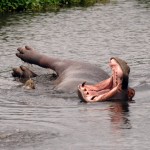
31, 56
23, 72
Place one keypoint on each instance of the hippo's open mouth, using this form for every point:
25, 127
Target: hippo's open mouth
109, 88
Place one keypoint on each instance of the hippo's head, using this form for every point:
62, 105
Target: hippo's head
116, 87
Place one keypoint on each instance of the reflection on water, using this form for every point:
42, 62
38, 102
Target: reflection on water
119, 115
42, 119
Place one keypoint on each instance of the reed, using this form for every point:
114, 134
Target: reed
43, 5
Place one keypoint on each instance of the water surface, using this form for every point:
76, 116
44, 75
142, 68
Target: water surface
42, 119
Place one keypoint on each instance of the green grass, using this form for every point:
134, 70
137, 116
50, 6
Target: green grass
43, 5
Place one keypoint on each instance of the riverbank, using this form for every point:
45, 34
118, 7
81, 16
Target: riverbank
43, 5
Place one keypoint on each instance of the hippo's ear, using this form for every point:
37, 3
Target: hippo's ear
131, 94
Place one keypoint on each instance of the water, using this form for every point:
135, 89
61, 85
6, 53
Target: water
42, 119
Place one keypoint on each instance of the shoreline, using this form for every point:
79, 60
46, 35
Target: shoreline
45, 5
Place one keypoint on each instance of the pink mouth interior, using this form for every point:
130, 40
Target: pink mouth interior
107, 88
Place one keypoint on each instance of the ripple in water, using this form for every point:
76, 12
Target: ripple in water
43, 119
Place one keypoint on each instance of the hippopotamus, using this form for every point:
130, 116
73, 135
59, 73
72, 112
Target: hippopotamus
115, 87
90, 82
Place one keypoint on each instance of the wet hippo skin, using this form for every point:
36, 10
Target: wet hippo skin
71, 74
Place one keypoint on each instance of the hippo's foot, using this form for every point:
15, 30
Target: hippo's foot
28, 54
23, 72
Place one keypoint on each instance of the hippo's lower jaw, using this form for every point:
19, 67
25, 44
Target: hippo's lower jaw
87, 94
110, 88
113, 94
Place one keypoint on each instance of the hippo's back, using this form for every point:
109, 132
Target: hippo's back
79, 73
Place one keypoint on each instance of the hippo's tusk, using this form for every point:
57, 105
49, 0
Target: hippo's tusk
83, 84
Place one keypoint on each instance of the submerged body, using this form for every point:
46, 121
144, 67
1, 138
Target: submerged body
69, 73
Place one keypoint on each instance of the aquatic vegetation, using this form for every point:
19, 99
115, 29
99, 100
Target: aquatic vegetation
145, 2
43, 5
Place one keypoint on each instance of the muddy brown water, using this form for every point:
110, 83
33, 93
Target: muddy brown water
41, 119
